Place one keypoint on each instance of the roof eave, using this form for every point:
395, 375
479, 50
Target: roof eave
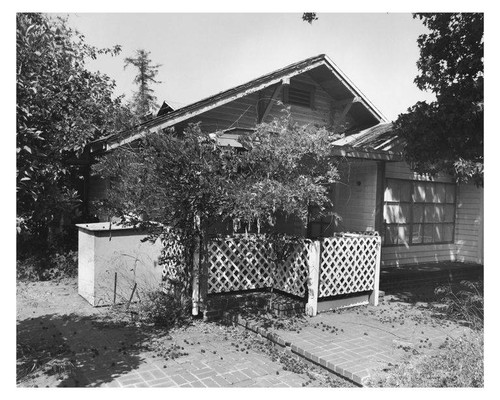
351, 152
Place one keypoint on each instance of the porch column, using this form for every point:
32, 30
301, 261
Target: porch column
373, 298
196, 283
313, 284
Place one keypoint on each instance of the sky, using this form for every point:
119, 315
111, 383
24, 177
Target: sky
202, 54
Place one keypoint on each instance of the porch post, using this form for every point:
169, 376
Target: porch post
196, 282
313, 282
203, 275
373, 299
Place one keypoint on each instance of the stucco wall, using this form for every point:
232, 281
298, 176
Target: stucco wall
102, 252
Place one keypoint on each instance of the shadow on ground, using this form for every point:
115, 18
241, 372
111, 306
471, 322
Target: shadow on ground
73, 350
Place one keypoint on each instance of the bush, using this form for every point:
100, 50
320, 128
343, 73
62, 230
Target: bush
165, 309
464, 302
460, 363
45, 267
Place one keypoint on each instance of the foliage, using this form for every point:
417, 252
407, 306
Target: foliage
309, 17
287, 168
44, 267
144, 99
464, 303
165, 309
61, 106
447, 134
189, 183
459, 363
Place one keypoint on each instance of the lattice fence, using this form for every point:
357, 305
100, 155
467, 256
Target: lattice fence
292, 276
238, 263
348, 264
172, 259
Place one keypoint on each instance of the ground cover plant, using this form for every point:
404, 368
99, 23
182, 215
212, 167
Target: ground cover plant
48, 266
458, 362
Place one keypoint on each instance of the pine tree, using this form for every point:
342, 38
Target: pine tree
144, 100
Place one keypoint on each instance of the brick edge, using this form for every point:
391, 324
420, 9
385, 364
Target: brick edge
300, 352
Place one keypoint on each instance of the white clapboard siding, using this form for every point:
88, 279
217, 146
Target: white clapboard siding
467, 246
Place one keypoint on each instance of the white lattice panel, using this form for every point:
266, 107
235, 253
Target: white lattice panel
172, 258
238, 264
348, 264
291, 276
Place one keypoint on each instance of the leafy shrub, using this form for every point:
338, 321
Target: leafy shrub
464, 303
459, 363
46, 267
165, 309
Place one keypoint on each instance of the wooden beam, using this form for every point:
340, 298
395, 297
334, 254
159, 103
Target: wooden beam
346, 102
366, 154
345, 111
269, 104
337, 72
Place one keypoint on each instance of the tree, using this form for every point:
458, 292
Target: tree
309, 17
447, 134
188, 183
144, 100
61, 106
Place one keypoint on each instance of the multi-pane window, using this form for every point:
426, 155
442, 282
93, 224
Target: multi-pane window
418, 212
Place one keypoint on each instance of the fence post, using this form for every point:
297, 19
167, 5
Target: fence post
203, 275
313, 281
373, 299
196, 282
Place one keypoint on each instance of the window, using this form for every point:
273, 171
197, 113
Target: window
299, 94
417, 212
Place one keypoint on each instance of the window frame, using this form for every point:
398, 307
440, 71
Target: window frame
412, 204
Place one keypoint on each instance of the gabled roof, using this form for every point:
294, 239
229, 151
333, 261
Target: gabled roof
321, 61
164, 109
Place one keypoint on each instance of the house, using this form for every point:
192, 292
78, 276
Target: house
420, 220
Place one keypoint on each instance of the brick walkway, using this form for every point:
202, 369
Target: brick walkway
234, 370
213, 362
359, 343
356, 343
108, 352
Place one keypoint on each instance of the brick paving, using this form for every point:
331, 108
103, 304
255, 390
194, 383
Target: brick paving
217, 366
113, 352
359, 343
356, 343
